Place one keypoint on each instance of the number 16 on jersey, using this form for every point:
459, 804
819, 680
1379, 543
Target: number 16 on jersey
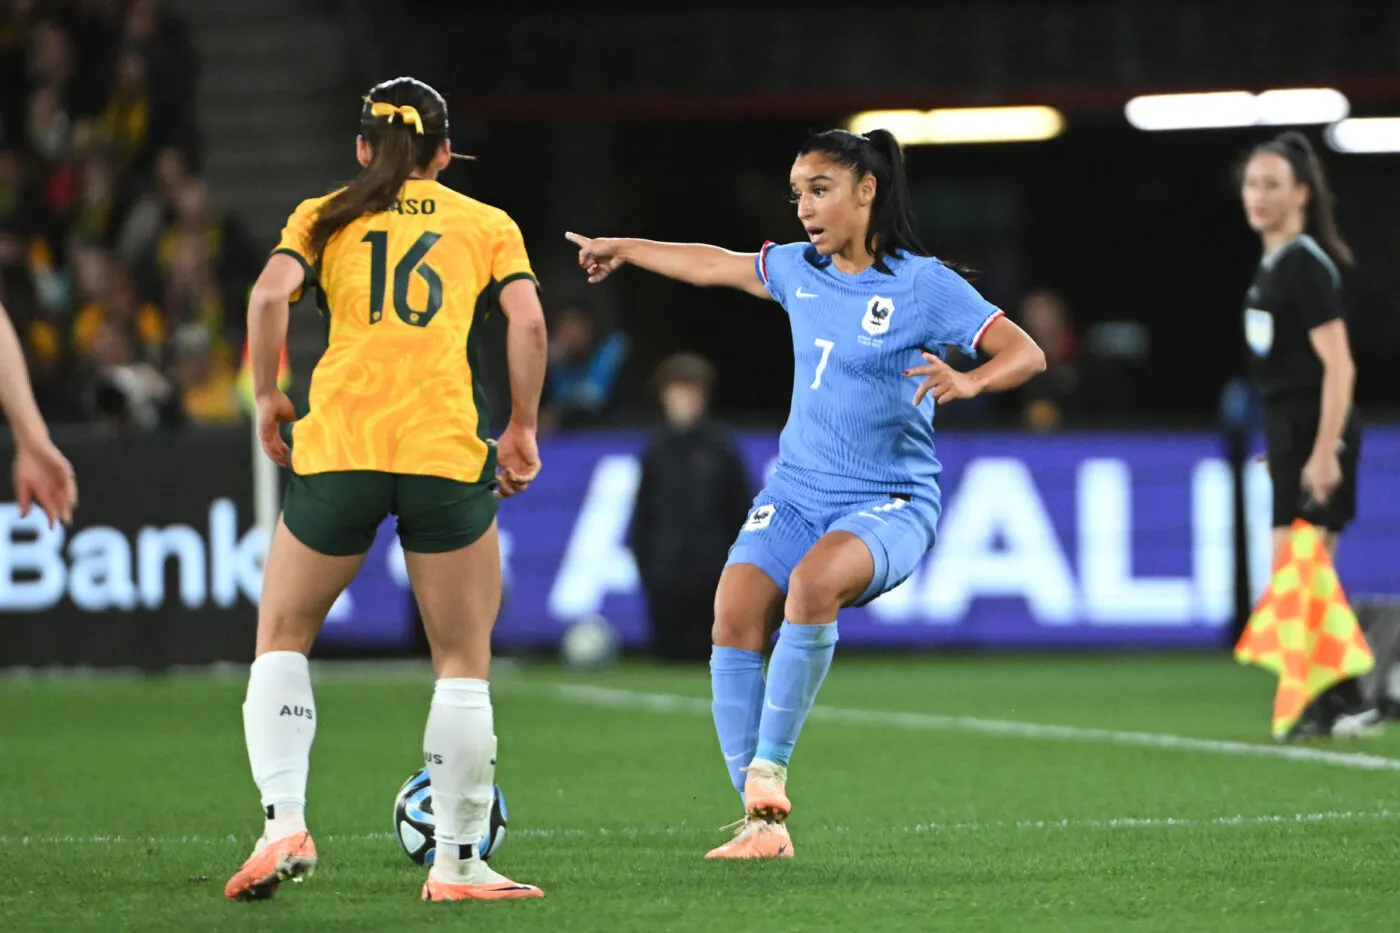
411, 262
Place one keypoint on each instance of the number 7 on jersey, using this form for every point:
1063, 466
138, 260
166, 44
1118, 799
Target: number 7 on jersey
826, 346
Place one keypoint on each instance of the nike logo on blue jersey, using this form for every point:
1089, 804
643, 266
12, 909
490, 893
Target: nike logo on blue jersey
805, 294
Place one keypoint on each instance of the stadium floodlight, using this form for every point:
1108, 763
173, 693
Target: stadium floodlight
906, 125
1303, 105
963, 125
1220, 109
1365, 134
1193, 111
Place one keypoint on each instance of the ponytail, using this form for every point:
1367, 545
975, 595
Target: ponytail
374, 190
893, 228
1320, 220
892, 224
405, 123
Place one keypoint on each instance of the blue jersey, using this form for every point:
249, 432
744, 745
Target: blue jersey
853, 426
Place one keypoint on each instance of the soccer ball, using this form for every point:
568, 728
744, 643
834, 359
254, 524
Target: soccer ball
413, 820
590, 642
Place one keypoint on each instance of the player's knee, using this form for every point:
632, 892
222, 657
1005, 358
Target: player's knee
737, 629
813, 596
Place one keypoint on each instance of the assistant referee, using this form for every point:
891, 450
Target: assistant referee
1295, 328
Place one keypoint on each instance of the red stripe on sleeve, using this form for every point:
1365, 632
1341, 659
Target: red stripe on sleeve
986, 324
763, 260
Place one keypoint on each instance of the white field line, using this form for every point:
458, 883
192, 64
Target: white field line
1152, 822
673, 703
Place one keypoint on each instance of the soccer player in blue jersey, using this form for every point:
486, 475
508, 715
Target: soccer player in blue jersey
853, 505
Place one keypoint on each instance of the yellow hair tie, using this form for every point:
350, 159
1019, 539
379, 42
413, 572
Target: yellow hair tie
408, 113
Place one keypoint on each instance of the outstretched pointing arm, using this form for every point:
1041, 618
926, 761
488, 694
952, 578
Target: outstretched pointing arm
694, 263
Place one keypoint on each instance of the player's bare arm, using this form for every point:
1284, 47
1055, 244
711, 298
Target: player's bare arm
527, 353
693, 263
1015, 358
268, 310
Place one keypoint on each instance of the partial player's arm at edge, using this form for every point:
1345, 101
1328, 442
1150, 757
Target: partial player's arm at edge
694, 263
1015, 357
16, 395
527, 349
269, 307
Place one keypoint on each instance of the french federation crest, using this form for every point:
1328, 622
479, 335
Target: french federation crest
877, 315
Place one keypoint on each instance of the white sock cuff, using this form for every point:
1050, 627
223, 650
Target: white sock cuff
462, 693
281, 662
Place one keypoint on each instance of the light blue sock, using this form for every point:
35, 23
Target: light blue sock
736, 684
795, 674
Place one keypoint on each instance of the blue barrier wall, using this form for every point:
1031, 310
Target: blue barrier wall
1061, 541
1067, 540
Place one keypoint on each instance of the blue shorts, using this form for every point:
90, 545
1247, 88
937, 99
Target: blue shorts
897, 529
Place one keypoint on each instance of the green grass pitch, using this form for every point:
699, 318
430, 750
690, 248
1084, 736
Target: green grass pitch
953, 793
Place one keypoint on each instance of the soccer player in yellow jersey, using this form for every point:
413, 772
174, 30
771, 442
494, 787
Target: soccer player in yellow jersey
405, 270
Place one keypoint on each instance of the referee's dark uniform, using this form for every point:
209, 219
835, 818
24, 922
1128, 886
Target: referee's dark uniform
1296, 288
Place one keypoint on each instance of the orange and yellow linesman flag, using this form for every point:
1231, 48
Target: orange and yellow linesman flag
1303, 629
245, 377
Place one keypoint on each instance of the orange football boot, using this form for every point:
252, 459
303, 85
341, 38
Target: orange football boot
756, 839
290, 858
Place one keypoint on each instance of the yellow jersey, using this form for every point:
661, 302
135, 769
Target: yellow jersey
401, 292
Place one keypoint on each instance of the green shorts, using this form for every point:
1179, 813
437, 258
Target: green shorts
339, 513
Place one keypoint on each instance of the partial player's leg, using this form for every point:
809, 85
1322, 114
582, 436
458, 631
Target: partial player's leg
861, 555
452, 552
748, 609
317, 547
835, 571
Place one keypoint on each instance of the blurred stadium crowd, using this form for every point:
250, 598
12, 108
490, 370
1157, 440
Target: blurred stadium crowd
125, 281
128, 283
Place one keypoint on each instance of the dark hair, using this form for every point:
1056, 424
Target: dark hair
685, 367
1320, 221
399, 145
892, 226
876, 153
